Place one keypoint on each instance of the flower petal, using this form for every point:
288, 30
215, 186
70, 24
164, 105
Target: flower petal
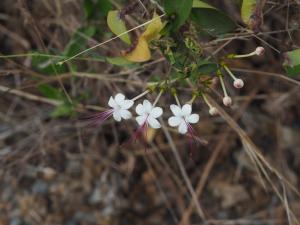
141, 119
174, 121
156, 112
186, 109
127, 104
117, 116
112, 103
125, 114
182, 127
139, 109
147, 106
119, 98
176, 110
194, 118
153, 123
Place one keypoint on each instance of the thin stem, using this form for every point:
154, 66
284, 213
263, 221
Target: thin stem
140, 95
206, 101
192, 99
157, 98
223, 86
230, 73
105, 42
48, 56
177, 100
245, 55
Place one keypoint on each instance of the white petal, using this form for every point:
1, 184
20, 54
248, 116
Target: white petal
112, 103
156, 112
125, 114
176, 110
117, 116
186, 109
182, 127
140, 119
174, 121
147, 106
119, 98
126, 104
139, 109
194, 118
153, 123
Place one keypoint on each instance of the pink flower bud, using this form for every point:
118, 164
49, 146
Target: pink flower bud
227, 101
259, 51
238, 83
213, 111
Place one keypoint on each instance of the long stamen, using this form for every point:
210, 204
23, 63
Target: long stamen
192, 139
99, 118
138, 134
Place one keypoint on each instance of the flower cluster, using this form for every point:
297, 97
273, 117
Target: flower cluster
148, 114
237, 82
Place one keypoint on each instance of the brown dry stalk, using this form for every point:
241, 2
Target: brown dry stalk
219, 147
37, 98
253, 152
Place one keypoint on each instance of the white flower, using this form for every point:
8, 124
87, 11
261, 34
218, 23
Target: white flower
148, 114
182, 117
227, 101
213, 111
238, 83
120, 107
259, 51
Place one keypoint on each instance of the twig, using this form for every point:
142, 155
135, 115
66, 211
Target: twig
183, 172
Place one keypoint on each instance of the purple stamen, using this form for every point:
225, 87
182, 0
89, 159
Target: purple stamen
139, 135
98, 118
192, 139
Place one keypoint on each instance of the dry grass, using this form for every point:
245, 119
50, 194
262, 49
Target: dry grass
55, 172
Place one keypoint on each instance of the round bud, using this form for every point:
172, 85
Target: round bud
227, 101
213, 111
259, 51
238, 83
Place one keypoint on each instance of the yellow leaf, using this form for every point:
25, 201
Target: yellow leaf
153, 29
117, 25
140, 53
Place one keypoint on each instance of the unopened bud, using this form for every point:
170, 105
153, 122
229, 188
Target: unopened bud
227, 101
238, 83
213, 111
259, 51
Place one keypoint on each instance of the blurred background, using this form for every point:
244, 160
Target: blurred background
53, 170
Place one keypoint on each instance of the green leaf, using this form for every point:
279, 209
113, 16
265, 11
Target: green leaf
118, 61
79, 40
247, 10
180, 9
63, 110
47, 64
88, 6
200, 4
211, 20
206, 67
50, 92
117, 25
292, 62
96, 9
